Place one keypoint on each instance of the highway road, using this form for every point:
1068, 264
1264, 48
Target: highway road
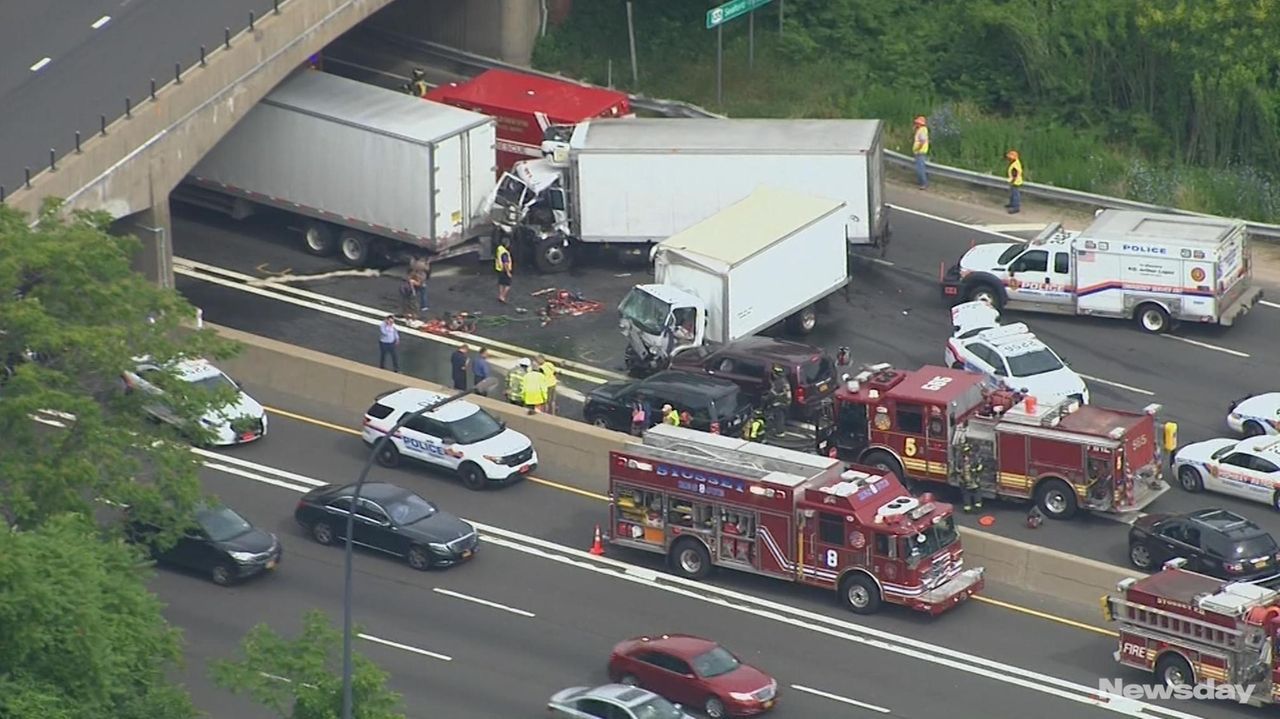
533, 613
893, 314
62, 65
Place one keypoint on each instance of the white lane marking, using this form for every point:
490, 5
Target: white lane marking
404, 647
49, 422
246, 464
1117, 384
838, 698
1206, 345
1017, 227
290, 277
1269, 303
41, 63
301, 489
956, 223
822, 624
484, 602
100, 22
879, 261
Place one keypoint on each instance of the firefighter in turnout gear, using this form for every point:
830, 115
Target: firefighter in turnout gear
778, 400
419, 82
970, 474
754, 430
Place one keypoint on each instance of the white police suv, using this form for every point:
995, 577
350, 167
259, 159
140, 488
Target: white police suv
1010, 356
244, 420
459, 436
1247, 468
1256, 415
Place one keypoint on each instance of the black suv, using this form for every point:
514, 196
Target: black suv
749, 363
1213, 541
714, 405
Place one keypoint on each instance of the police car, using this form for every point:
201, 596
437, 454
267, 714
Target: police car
458, 436
244, 420
1247, 468
1256, 415
1009, 356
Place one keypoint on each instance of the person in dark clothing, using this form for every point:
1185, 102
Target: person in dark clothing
458, 362
485, 381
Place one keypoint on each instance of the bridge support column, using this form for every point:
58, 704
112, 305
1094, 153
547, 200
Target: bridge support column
504, 29
155, 228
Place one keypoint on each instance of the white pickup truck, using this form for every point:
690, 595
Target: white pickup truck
1155, 268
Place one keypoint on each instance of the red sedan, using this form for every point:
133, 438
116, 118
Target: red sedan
694, 672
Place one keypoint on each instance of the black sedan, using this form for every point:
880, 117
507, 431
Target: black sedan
1216, 542
389, 519
222, 545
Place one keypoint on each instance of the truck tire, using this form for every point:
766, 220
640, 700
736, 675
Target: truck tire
985, 292
882, 460
1152, 318
552, 254
690, 559
803, 322
354, 246
1056, 499
318, 239
860, 594
1172, 670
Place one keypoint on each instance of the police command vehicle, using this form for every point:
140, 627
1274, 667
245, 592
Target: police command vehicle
1009, 356
459, 436
1256, 415
1153, 268
1247, 468
244, 420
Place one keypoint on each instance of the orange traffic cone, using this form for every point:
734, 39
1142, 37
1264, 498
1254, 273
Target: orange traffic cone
597, 546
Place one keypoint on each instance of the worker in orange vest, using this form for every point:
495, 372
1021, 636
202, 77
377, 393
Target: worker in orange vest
1015, 177
920, 148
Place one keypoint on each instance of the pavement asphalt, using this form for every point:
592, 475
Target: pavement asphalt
893, 313
503, 662
91, 70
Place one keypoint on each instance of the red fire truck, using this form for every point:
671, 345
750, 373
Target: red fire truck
1191, 629
530, 108
708, 500
1063, 456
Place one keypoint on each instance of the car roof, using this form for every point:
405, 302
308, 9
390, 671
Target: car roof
627, 696
1011, 340
774, 349
1265, 447
1227, 523
411, 399
376, 491
689, 383
684, 646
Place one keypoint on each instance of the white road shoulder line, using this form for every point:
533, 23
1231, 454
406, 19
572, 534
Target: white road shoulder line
1268, 303
41, 63
405, 647
100, 22
838, 698
956, 223
1138, 390
1206, 345
483, 602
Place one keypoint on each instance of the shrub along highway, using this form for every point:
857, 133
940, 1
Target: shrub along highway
533, 613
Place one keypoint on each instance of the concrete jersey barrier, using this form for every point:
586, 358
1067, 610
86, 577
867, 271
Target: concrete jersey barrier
575, 454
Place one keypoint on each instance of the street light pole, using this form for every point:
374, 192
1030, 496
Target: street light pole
347, 559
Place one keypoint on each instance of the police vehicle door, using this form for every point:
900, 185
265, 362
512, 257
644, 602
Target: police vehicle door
1040, 276
424, 439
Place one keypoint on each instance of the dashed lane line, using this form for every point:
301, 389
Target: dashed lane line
1206, 345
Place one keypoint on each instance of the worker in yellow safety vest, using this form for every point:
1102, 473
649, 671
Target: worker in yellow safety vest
515, 382
505, 266
549, 371
535, 391
419, 82
1015, 177
920, 148
670, 416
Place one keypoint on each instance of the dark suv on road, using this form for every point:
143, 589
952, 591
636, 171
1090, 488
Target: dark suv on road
749, 362
1213, 541
714, 405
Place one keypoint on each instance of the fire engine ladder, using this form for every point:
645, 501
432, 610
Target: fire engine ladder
726, 454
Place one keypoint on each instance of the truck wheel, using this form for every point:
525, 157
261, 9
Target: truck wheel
1189, 479
1152, 318
552, 254
886, 462
1056, 499
318, 239
690, 559
984, 292
860, 594
1174, 671
803, 322
354, 247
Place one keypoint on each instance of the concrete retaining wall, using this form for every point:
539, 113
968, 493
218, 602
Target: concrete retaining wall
575, 454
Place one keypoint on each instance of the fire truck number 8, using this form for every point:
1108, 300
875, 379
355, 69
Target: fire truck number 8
935, 384
833, 558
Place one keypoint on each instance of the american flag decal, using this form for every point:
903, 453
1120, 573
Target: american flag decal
1086, 257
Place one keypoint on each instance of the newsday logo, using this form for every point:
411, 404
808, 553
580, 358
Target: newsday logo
1156, 692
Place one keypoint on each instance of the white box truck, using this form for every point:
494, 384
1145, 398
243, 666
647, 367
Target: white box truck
629, 183
1154, 268
768, 258
362, 170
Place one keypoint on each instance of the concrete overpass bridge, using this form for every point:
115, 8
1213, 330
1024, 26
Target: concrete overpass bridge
127, 166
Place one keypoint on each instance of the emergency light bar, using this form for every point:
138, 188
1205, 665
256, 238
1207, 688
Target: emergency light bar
1116, 433
921, 511
1153, 408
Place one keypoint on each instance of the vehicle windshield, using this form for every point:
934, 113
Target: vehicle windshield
1007, 256
714, 663
215, 382
222, 524
510, 190
1220, 452
656, 708
476, 427
1259, 546
819, 369
936, 538
1033, 363
729, 404
645, 311
409, 509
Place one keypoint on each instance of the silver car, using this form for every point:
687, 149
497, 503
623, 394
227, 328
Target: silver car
612, 701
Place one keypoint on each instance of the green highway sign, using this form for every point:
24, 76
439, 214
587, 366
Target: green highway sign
718, 16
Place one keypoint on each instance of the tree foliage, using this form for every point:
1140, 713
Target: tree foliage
73, 315
82, 636
302, 678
